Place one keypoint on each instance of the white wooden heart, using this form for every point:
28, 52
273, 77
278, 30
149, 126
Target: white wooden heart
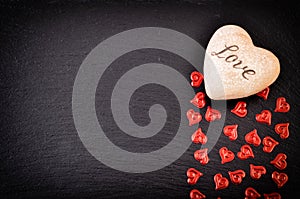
235, 68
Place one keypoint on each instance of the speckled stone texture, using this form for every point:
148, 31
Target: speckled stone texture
234, 67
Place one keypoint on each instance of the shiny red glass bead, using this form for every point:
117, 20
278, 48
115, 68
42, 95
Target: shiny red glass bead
220, 181
193, 176
257, 171
264, 117
199, 137
231, 131
240, 109
212, 114
199, 100
196, 78
282, 105
264, 93
193, 117
253, 138
282, 130
226, 155
245, 152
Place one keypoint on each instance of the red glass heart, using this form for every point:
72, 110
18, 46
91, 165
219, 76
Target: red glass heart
282, 130
273, 195
281, 105
193, 117
199, 100
264, 117
201, 156
196, 194
240, 109
257, 171
245, 153
279, 178
212, 114
193, 176
269, 144
251, 193
196, 78
220, 181
226, 155
280, 161
264, 93
253, 138
237, 176
231, 131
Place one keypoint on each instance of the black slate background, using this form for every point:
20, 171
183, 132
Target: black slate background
41, 48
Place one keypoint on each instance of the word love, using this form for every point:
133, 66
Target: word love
234, 59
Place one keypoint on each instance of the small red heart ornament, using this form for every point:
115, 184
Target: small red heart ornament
193, 175
212, 114
193, 117
196, 78
281, 105
201, 156
264, 117
245, 153
279, 178
253, 138
220, 181
199, 100
199, 137
273, 195
264, 93
280, 161
236, 176
196, 194
269, 144
240, 109
226, 155
251, 193
231, 131
282, 130
257, 171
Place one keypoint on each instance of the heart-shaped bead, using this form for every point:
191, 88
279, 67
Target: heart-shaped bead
196, 194
231, 131
193, 176
264, 93
201, 156
245, 153
240, 109
220, 181
282, 130
196, 78
226, 155
257, 171
280, 161
253, 138
264, 117
281, 105
212, 114
199, 137
234, 67
269, 144
236, 176
251, 193
193, 117
199, 100
273, 195
279, 178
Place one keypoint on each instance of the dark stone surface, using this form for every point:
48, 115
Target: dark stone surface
41, 48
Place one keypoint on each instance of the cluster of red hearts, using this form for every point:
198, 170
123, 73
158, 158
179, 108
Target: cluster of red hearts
231, 131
